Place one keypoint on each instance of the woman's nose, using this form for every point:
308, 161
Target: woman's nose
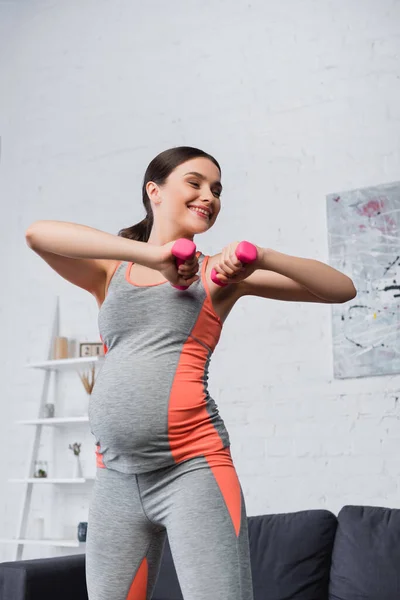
207, 195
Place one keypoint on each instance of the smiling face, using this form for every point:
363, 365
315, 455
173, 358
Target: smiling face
188, 202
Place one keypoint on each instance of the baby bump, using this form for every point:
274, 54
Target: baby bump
129, 402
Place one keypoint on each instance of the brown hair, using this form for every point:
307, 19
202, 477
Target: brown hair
158, 171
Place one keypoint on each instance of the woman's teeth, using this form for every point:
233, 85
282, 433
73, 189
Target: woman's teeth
202, 213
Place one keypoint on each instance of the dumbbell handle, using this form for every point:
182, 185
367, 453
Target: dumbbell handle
183, 250
246, 253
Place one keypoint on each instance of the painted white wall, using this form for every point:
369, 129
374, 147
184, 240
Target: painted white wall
296, 99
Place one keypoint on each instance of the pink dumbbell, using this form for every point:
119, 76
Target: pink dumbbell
246, 253
183, 250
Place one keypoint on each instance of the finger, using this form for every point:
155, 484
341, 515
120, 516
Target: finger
232, 254
223, 278
228, 271
188, 268
223, 269
231, 262
221, 272
232, 259
187, 272
191, 261
235, 263
184, 269
190, 281
191, 265
219, 269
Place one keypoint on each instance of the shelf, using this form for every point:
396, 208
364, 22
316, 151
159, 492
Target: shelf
65, 364
44, 480
60, 543
55, 421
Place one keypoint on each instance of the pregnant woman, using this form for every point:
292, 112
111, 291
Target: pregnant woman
163, 452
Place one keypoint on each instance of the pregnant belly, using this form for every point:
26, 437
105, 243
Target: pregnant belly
155, 408
129, 407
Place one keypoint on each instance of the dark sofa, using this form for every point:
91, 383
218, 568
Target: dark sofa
307, 555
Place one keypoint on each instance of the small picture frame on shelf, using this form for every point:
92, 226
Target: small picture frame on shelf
91, 349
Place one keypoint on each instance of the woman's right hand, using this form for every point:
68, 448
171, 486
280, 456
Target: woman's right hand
166, 262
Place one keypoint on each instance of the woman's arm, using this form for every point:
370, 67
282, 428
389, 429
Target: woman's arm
79, 241
283, 277
87, 257
288, 277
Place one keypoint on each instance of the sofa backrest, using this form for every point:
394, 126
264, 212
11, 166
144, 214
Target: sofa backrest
366, 554
290, 557
291, 554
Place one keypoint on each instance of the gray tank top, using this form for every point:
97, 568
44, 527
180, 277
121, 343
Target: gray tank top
150, 406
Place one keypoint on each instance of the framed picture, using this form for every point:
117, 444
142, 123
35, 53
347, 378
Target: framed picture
364, 241
91, 349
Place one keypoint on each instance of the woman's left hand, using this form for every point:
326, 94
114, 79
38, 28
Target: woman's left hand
229, 268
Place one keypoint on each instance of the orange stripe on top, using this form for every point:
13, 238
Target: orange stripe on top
190, 430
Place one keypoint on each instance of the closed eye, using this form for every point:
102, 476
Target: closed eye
197, 186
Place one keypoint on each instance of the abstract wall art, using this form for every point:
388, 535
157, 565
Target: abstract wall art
364, 243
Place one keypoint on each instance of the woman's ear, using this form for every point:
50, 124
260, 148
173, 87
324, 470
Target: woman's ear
153, 192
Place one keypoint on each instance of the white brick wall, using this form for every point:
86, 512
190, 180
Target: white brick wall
296, 99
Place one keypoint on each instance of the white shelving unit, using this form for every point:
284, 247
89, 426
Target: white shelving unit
51, 368
44, 480
58, 543
64, 364
55, 421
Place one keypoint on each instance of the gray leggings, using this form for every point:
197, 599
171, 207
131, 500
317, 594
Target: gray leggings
199, 502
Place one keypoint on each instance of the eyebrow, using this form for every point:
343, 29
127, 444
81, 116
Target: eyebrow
203, 178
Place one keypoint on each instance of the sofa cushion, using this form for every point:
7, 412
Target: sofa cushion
57, 578
290, 557
291, 554
366, 554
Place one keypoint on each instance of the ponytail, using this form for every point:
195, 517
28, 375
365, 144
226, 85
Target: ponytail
139, 232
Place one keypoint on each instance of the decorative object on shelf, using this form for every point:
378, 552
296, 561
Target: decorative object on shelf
48, 412
91, 349
60, 348
40, 469
82, 531
76, 449
88, 379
